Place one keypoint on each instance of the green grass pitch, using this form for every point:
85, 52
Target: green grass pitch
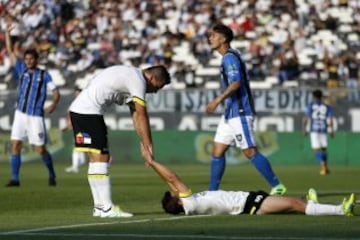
37, 211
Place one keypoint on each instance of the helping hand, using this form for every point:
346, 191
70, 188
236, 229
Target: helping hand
147, 154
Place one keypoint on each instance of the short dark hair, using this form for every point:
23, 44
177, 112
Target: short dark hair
160, 72
224, 30
317, 93
32, 52
171, 204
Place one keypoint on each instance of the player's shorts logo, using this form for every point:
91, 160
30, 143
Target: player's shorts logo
83, 138
41, 135
239, 137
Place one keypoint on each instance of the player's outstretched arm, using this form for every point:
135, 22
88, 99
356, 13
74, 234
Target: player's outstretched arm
8, 43
176, 185
142, 126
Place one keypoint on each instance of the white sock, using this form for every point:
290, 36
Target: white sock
81, 158
323, 209
75, 159
100, 179
78, 159
92, 183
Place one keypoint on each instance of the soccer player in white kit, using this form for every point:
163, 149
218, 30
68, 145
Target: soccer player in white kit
120, 85
319, 120
180, 199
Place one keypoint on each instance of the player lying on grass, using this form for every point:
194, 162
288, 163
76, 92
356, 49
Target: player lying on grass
181, 200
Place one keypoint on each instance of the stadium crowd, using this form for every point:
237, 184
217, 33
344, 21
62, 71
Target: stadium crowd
312, 42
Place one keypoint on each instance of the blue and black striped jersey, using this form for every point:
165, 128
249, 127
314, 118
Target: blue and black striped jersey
32, 88
318, 112
233, 69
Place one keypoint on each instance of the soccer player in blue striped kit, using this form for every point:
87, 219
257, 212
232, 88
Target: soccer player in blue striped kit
319, 120
29, 114
236, 124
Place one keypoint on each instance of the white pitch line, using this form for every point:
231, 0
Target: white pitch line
17, 232
182, 236
55, 228
40, 232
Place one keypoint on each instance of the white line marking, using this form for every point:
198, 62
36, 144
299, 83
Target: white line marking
168, 236
39, 232
96, 224
55, 228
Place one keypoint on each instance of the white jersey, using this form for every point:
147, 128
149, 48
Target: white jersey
117, 84
215, 202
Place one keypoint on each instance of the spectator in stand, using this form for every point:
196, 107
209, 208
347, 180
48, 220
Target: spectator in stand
352, 76
5, 64
289, 67
248, 24
85, 61
84, 23
332, 68
235, 26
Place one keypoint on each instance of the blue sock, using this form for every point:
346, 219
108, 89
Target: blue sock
49, 164
319, 156
324, 157
15, 162
217, 171
263, 166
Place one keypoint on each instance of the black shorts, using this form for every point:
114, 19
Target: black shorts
254, 201
90, 133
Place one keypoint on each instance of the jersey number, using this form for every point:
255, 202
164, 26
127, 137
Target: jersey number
319, 112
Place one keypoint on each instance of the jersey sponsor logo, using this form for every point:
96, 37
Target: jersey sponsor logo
232, 67
232, 70
83, 138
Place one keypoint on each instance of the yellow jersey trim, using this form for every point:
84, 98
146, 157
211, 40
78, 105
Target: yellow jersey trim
185, 194
87, 149
253, 210
97, 176
139, 101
